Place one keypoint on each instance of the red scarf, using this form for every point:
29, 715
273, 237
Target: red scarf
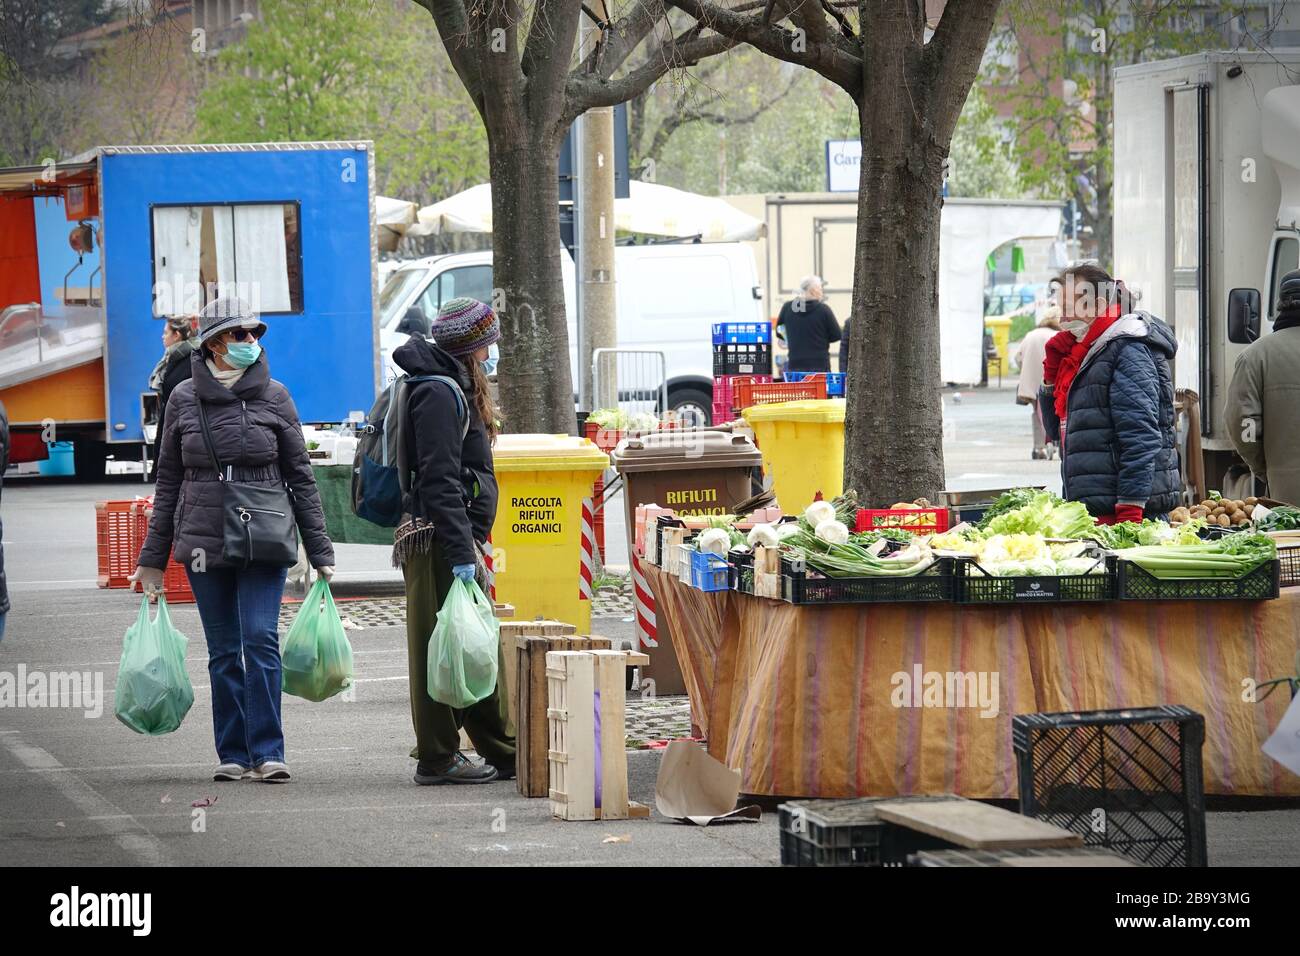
1070, 364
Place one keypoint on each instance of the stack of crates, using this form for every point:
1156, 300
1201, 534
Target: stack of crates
740, 349
116, 543
176, 584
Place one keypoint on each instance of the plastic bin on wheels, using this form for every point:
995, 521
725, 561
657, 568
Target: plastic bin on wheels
803, 449
541, 563
693, 472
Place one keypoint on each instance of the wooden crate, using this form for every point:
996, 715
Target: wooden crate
510, 630
580, 777
529, 693
767, 572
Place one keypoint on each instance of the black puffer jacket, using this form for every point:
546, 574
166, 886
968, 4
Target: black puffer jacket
453, 484
255, 428
179, 368
1120, 446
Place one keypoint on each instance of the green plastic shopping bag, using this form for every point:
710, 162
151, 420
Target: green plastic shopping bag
153, 692
463, 648
315, 655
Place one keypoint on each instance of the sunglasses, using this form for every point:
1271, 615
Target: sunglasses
241, 335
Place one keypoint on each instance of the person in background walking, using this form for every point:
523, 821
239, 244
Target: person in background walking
1111, 400
807, 327
1029, 359
4, 464
257, 439
174, 366
446, 518
1263, 405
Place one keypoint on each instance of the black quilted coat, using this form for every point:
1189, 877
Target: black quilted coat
256, 430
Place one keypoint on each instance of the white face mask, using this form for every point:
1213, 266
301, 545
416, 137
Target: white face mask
1076, 327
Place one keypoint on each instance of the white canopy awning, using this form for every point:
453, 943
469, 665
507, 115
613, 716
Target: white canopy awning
393, 217
651, 210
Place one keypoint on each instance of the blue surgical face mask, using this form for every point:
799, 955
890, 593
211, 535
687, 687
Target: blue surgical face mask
242, 354
489, 364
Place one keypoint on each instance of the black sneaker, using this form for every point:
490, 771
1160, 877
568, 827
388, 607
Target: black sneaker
459, 769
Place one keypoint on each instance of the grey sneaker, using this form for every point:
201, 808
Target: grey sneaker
229, 772
459, 769
272, 771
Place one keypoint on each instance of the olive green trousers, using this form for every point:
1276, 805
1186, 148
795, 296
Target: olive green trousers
437, 726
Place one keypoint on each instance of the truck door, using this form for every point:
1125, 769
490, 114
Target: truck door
1187, 239
1284, 257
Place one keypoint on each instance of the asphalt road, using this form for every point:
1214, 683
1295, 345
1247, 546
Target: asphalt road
82, 789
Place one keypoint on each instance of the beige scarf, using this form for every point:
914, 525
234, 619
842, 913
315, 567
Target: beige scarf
226, 377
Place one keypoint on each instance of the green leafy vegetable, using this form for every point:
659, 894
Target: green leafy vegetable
1009, 501
1044, 514
1230, 557
1282, 518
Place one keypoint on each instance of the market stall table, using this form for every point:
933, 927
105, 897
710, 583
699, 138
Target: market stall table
334, 482
803, 700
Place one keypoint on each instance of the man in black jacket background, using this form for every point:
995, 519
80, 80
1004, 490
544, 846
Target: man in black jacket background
807, 326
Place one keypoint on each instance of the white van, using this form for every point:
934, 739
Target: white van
669, 296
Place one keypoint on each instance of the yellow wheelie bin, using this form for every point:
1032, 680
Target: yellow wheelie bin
802, 444
537, 540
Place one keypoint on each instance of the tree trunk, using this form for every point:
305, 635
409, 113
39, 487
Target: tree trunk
893, 441
535, 384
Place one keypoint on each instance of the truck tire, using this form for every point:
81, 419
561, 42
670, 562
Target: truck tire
692, 402
88, 457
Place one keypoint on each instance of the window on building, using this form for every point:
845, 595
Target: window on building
253, 251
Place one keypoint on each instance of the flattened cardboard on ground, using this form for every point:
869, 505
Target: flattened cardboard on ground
693, 787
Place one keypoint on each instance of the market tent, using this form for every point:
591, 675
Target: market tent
656, 210
393, 217
969, 230
651, 210
468, 211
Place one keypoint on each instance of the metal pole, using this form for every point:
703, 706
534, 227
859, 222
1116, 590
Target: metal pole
579, 248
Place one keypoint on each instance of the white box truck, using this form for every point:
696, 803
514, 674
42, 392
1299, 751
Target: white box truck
1207, 200
669, 296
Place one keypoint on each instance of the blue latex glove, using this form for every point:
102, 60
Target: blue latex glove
464, 572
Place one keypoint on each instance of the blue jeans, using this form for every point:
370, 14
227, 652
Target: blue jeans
240, 610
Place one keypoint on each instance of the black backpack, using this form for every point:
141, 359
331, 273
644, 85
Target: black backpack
380, 474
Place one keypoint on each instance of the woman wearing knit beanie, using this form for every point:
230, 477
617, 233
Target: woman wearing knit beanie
447, 515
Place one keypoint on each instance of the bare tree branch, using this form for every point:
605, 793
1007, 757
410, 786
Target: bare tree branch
831, 60
954, 55
586, 91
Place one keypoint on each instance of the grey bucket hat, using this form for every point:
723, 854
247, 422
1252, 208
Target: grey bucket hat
222, 315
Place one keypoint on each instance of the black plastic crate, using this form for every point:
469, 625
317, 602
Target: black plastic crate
741, 358
1127, 780
848, 833
1288, 560
1134, 583
977, 586
800, 586
742, 571
1069, 855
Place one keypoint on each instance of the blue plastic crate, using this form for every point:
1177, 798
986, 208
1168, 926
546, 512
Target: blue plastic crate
710, 572
834, 381
741, 333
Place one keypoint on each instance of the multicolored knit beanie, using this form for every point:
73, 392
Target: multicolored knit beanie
465, 325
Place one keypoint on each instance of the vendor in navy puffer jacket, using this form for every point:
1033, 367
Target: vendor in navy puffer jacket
1112, 394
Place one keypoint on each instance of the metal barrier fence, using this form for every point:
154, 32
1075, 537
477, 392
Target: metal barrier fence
632, 380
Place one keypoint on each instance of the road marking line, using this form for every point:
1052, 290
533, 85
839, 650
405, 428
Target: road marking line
125, 830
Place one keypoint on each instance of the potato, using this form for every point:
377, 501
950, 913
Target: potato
1225, 521
1239, 516
1218, 511
1252, 501
1239, 522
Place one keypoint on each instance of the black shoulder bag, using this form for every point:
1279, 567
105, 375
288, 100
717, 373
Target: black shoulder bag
258, 526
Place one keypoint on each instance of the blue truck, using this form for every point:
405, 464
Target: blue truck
99, 250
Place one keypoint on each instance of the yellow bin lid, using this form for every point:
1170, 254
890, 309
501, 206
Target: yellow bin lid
547, 453
824, 410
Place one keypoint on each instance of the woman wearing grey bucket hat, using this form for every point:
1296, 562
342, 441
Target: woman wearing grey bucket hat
257, 439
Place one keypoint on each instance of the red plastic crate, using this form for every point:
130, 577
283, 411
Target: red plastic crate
116, 543
176, 583
749, 394
916, 520
724, 390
